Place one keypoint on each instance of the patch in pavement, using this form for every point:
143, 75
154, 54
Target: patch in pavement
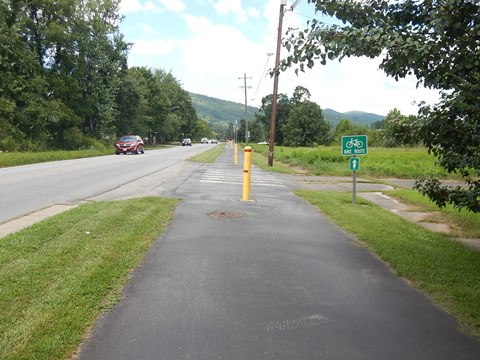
305, 321
225, 215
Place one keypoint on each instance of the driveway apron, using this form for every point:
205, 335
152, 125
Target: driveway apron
269, 278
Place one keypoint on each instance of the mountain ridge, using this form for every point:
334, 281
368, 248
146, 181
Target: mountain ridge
215, 110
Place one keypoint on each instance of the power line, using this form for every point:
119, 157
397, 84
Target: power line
294, 5
263, 75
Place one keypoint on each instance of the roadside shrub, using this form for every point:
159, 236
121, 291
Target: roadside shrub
74, 139
8, 143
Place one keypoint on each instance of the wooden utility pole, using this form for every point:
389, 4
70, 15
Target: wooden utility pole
273, 118
247, 135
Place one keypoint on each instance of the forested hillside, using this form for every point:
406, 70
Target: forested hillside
221, 111
216, 110
356, 117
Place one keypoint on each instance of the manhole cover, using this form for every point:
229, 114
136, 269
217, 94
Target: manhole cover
225, 215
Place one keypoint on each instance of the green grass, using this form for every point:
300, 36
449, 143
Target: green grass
209, 156
444, 269
408, 163
8, 159
55, 278
261, 161
23, 158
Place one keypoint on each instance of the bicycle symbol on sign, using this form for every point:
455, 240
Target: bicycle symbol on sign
355, 143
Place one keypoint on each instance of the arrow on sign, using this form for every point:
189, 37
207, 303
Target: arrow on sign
354, 164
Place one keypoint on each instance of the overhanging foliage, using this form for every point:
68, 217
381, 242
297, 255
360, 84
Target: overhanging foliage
436, 41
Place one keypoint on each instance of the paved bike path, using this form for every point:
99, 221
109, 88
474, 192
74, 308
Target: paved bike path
269, 278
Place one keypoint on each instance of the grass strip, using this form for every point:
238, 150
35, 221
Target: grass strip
8, 159
56, 276
24, 158
444, 269
261, 161
402, 163
209, 156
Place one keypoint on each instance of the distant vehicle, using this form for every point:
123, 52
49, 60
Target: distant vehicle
129, 143
204, 140
262, 143
214, 141
187, 142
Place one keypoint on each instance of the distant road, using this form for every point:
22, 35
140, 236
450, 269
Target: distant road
25, 189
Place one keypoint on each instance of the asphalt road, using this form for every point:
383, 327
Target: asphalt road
269, 278
24, 189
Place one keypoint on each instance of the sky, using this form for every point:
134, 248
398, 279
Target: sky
209, 46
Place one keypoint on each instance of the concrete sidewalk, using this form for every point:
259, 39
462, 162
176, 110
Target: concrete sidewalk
269, 278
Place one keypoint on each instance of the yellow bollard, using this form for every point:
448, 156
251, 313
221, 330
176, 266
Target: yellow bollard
247, 167
235, 157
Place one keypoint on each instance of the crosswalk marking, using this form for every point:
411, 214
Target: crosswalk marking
235, 177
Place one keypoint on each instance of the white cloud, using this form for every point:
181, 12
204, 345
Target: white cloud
147, 29
358, 84
135, 6
151, 47
130, 6
173, 5
225, 7
208, 58
217, 49
253, 12
150, 6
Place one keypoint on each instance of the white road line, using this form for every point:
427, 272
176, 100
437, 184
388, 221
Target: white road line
253, 183
222, 176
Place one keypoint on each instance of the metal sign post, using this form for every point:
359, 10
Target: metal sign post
354, 165
354, 195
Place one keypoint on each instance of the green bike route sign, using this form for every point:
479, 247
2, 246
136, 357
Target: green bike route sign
354, 145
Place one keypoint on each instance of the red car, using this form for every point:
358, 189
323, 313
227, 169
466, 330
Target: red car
130, 143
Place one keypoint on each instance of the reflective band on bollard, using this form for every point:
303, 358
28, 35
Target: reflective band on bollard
247, 167
235, 156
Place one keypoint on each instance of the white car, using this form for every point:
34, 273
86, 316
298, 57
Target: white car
204, 141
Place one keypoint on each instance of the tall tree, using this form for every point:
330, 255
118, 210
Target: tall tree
257, 131
130, 101
306, 126
400, 130
102, 53
283, 109
183, 116
23, 90
61, 65
346, 127
300, 94
64, 80
153, 104
436, 41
